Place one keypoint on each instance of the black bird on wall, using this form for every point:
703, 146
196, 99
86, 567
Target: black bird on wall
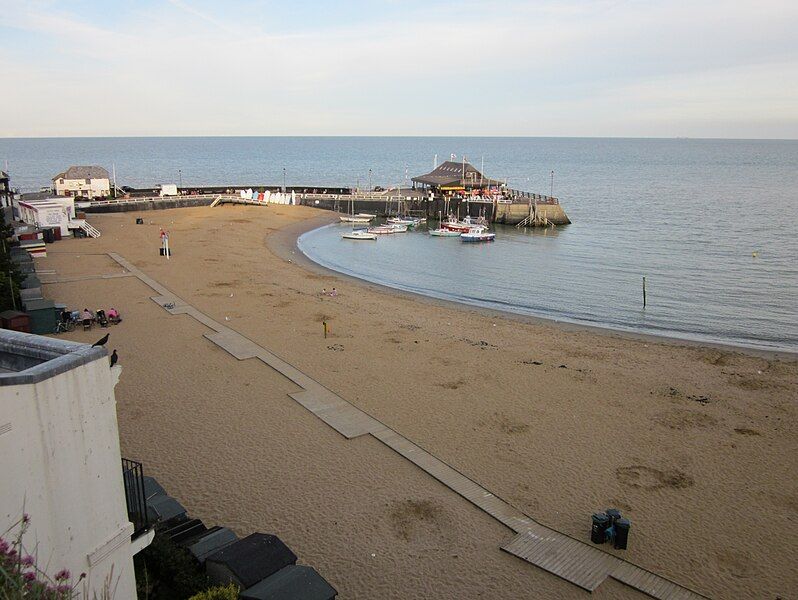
102, 341
114, 357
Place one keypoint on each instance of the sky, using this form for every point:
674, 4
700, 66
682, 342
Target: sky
635, 68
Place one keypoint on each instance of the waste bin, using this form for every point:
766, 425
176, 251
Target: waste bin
614, 514
598, 531
621, 526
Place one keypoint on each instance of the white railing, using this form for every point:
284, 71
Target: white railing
90, 230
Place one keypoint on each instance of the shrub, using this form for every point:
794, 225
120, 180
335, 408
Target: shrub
228, 592
165, 571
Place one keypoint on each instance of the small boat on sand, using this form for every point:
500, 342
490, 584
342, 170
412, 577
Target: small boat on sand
359, 234
477, 236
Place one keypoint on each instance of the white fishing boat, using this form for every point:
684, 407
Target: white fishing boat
359, 234
466, 225
381, 230
399, 228
366, 216
409, 221
442, 232
477, 236
355, 219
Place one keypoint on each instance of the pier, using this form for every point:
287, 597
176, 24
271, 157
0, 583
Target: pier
451, 188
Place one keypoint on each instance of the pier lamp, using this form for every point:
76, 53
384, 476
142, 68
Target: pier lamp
180, 177
369, 180
551, 193
284, 180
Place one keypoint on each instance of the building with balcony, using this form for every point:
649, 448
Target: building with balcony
61, 462
83, 182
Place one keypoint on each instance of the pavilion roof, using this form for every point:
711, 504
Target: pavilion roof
451, 173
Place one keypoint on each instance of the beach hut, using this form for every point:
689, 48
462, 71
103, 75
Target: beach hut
42, 316
290, 583
27, 294
15, 320
48, 212
31, 281
249, 561
165, 509
210, 542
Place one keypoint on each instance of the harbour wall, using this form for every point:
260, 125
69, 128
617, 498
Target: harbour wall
529, 213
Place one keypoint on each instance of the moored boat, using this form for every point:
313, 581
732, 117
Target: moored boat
409, 221
477, 236
359, 234
443, 232
354, 219
381, 230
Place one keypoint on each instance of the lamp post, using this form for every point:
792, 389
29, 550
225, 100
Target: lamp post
369, 180
283, 180
180, 177
551, 193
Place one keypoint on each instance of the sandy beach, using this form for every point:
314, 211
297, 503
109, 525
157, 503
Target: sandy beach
697, 445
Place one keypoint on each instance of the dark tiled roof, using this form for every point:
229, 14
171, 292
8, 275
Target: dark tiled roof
454, 173
84, 172
254, 558
289, 583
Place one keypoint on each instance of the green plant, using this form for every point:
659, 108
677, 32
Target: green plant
165, 571
20, 575
227, 592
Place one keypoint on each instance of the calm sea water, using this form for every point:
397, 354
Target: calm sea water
687, 214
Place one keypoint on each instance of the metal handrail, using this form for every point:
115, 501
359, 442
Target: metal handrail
135, 497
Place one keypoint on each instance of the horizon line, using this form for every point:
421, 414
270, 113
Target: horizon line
582, 137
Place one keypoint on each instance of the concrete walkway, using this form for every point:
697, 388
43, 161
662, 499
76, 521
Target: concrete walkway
582, 564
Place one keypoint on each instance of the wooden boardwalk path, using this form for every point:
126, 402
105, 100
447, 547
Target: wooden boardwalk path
583, 564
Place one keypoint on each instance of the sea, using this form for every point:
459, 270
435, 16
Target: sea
711, 224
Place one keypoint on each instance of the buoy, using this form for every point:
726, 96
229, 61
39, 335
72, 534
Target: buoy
754, 254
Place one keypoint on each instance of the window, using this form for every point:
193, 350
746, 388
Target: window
88, 180
61, 181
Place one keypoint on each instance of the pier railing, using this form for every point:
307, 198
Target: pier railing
142, 199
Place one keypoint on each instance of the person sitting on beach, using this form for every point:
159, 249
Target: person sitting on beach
323, 291
333, 293
86, 315
113, 314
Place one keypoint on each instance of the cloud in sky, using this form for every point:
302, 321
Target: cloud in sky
246, 67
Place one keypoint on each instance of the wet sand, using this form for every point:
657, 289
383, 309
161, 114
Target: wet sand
697, 445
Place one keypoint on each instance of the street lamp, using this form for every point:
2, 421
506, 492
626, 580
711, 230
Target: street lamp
180, 177
283, 180
369, 180
552, 185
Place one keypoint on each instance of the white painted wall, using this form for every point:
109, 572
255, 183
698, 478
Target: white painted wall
79, 187
53, 212
61, 464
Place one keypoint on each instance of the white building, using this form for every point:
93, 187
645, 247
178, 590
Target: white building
60, 461
48, 212
83, 181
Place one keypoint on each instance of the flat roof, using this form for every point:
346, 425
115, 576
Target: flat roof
26, 358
